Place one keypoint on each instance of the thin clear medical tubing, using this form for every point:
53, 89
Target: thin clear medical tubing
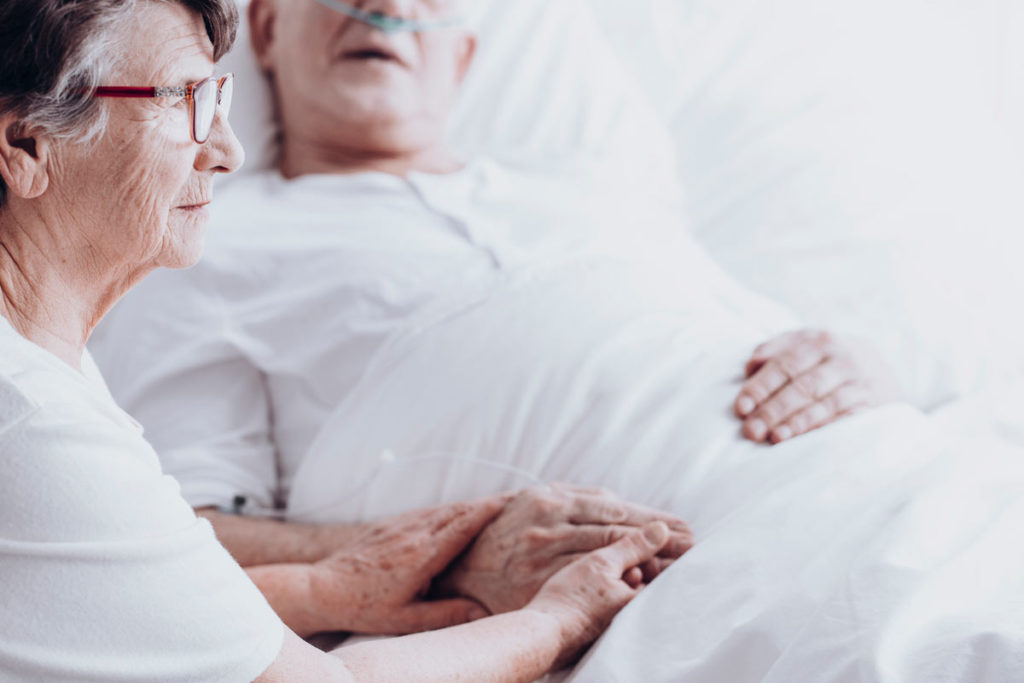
386, 23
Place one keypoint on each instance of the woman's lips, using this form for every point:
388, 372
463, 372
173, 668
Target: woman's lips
196, 209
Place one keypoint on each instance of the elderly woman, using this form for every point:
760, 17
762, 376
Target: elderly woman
112, 128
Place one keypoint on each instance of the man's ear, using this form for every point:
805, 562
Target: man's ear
262, 20
24, 159
467, 51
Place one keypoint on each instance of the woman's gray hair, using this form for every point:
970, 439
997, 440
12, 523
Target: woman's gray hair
54, 53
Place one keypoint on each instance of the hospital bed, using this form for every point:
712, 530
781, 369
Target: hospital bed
860, 163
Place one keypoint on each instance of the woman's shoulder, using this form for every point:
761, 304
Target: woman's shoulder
74, 469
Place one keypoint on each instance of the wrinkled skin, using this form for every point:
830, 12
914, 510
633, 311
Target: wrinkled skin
543, 529
585, 595
377, 581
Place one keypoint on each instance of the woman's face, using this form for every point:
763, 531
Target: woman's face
137, 195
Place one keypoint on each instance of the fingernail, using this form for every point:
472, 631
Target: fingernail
746, 405
757, 429
783, 433
478, 613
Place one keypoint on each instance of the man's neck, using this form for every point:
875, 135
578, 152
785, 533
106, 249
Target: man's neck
46, 295
299, 159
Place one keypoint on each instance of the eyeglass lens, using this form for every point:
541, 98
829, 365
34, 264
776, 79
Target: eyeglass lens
206, 96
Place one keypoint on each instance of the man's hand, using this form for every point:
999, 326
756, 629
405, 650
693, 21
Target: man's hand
804, 380
542, 530
376, 583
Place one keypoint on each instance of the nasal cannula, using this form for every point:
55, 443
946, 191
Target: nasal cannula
387, 23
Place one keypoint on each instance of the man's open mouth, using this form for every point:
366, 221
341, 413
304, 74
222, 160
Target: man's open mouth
371, 54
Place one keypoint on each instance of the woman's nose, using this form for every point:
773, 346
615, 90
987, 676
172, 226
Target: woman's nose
222, 152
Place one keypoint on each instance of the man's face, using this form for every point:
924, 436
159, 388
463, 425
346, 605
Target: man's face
343, 83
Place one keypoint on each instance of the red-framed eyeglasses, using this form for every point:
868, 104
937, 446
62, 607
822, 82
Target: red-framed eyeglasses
204, 98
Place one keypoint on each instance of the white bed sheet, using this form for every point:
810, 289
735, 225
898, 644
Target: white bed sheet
877, 550
883, 548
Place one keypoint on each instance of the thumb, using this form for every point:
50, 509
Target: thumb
638, 547
432, 615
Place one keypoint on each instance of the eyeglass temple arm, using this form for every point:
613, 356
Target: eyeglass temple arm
124, 91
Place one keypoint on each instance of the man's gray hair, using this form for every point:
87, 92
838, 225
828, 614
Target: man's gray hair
54, 53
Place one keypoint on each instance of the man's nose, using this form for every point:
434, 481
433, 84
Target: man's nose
392, 8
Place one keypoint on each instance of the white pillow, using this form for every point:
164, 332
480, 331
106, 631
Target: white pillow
848, 160
544, 83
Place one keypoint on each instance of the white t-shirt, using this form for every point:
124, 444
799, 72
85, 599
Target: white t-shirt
565, 286
107, 573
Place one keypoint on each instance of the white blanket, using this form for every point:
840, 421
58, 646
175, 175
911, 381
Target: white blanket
872, 551
883, 548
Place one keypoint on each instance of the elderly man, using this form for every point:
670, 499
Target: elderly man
380, 324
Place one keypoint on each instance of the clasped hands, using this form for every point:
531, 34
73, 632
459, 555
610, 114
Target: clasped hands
443, 566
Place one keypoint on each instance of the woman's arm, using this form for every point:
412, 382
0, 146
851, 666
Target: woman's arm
374, 581
375, 584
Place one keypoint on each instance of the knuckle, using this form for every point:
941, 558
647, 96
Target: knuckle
798, 423
832, 403
613, 512
537, 537
770, 412
611, 535
818, 413
756, 390
806, 386
600, 564
789, 365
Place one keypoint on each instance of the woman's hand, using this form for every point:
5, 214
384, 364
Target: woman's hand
376, 582
804, 380
542, 530
585, 596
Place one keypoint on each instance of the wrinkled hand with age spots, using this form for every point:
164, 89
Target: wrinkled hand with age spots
377, 582
584, 596
804, 380
545, 528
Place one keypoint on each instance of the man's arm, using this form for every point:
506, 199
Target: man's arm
255, 541
376, 583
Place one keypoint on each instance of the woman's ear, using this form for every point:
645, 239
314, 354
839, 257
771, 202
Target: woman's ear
24, 157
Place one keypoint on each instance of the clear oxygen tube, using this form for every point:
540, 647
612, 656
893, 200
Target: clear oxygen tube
387, 23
